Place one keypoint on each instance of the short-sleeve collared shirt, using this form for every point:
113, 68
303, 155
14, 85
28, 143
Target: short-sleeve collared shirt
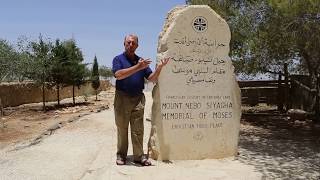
134, 84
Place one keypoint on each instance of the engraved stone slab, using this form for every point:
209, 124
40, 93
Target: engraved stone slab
196, 103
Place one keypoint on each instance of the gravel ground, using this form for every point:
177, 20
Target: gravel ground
280, 148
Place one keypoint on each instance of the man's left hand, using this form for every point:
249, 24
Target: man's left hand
163, 62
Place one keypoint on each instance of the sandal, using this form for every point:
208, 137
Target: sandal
143, 162
120, 161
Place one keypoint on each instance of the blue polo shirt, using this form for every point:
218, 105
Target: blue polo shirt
134, 84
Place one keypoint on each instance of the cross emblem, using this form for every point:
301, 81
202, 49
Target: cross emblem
200, 24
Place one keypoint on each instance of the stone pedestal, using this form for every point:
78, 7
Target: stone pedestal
196, 103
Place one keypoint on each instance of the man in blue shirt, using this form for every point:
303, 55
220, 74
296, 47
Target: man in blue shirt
131, 71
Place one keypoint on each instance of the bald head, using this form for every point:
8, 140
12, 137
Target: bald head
133, 36
130, 43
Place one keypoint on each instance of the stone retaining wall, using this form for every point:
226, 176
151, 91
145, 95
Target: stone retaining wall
14, 94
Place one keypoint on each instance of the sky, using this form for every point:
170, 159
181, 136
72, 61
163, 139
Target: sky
98, 26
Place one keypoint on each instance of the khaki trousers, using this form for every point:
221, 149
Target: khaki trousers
129, 109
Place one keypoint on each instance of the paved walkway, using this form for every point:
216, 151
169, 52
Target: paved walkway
85, 149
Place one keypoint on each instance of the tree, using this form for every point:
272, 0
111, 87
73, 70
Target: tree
76, 70
266, 34
300, 19
105, 72
41, 54
16, 63
95, 80
7, 53
59, 65
24, 66
87, 72
48, 65
281, 32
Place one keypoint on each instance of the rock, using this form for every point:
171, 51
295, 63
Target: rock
54, 127
297, 114
73, 119
196, 102
297, 122
104, 107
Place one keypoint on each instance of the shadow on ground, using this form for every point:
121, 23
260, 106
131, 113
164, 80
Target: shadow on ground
280, 148
66, 105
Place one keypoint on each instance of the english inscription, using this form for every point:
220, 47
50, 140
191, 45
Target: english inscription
209, 108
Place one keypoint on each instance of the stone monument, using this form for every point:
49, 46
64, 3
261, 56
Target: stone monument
196, 104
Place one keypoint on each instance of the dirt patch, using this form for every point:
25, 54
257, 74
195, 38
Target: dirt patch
28, 121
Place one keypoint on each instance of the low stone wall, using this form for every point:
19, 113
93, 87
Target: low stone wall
14, 94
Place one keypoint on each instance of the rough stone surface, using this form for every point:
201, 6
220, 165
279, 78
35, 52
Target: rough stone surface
196, 109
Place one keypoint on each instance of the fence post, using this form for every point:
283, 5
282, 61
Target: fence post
280, 94
286, 81
1, 109
1, 114
316, 106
